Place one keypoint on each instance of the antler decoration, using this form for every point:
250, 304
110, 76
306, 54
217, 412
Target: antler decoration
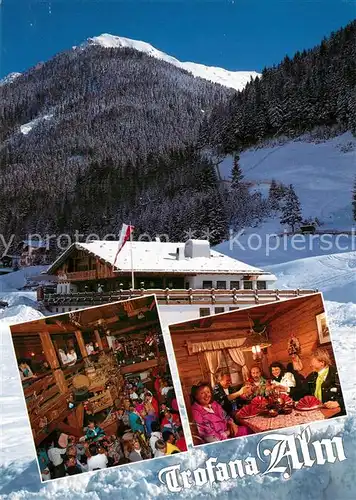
74, 318
256, 327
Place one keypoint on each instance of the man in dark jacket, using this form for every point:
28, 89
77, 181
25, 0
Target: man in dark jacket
228, 398
324, 383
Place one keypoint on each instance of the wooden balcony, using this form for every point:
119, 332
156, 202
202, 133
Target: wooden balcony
78, 276
168, 296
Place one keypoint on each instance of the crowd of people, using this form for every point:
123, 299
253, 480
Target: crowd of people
148, 426
215, 409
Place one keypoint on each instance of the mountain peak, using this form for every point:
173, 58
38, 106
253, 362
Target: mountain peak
232, 79
9, 78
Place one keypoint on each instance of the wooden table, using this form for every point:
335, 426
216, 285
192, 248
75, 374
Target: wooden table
297, 417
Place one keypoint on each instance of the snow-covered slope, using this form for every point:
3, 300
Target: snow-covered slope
334, 275
27, 127
322, 174
9, 78
233, 79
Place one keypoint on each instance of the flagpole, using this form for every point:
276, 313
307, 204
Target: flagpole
132, 265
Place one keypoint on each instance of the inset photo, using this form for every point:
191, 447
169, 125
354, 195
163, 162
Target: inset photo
98, 388
257, 369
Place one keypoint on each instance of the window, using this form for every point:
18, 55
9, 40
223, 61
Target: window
261, 285
227, 365
204, 311
221, 285
234, 284
207, 285
247, 285
219, 310
233, 308
187, 285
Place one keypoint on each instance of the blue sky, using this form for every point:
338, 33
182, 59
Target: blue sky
234, 34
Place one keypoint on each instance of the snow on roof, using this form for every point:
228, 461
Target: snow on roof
267, 277
159, 257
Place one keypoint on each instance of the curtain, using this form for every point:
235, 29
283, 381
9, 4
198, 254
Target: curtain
213, 361
239, 358
214, 345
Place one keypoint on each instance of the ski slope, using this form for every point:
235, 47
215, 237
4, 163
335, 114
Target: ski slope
334, 275
322, 173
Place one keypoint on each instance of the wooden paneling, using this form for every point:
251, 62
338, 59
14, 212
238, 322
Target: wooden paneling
301, 322
138, 367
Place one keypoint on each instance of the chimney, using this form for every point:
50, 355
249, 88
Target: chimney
180, 253
197, 248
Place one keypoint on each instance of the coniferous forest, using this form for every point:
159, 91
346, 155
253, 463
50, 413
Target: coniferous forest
119, 136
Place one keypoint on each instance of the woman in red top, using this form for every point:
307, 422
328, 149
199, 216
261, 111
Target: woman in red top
151, 404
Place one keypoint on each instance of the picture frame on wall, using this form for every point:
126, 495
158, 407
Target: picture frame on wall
323, 328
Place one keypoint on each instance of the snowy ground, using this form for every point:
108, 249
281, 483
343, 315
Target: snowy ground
322, 174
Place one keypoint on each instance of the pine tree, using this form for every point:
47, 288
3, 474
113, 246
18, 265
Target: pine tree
354, 201
291, 210
236, 173
274, 196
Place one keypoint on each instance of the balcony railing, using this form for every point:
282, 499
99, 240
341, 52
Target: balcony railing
169, 296
78, 276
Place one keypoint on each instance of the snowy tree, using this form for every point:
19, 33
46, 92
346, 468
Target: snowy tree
274, 196
354, 201
291, 210
236, 173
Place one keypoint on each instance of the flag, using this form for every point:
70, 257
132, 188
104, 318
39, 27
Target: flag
125, 234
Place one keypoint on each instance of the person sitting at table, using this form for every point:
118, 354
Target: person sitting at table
71, 357
25, 371
323, 382
298, 391
94, 432
63, 356
170, 421
97, 460
135, 451
89, 346
213, 424
170, 440
281, 380
151, 404
160, 448
155, 436
135, 420
225, 396
256, 383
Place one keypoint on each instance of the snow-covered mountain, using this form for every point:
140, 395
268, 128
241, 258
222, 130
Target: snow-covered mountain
232, 79
9, 78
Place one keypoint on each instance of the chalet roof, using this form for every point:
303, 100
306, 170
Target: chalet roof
159, 257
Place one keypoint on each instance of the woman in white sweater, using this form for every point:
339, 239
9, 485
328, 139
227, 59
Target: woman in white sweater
281, 380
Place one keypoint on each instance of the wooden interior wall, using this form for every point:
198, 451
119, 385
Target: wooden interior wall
24, 346
300, 321
192, 369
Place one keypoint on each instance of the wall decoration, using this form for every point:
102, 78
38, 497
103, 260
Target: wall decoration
323, 328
